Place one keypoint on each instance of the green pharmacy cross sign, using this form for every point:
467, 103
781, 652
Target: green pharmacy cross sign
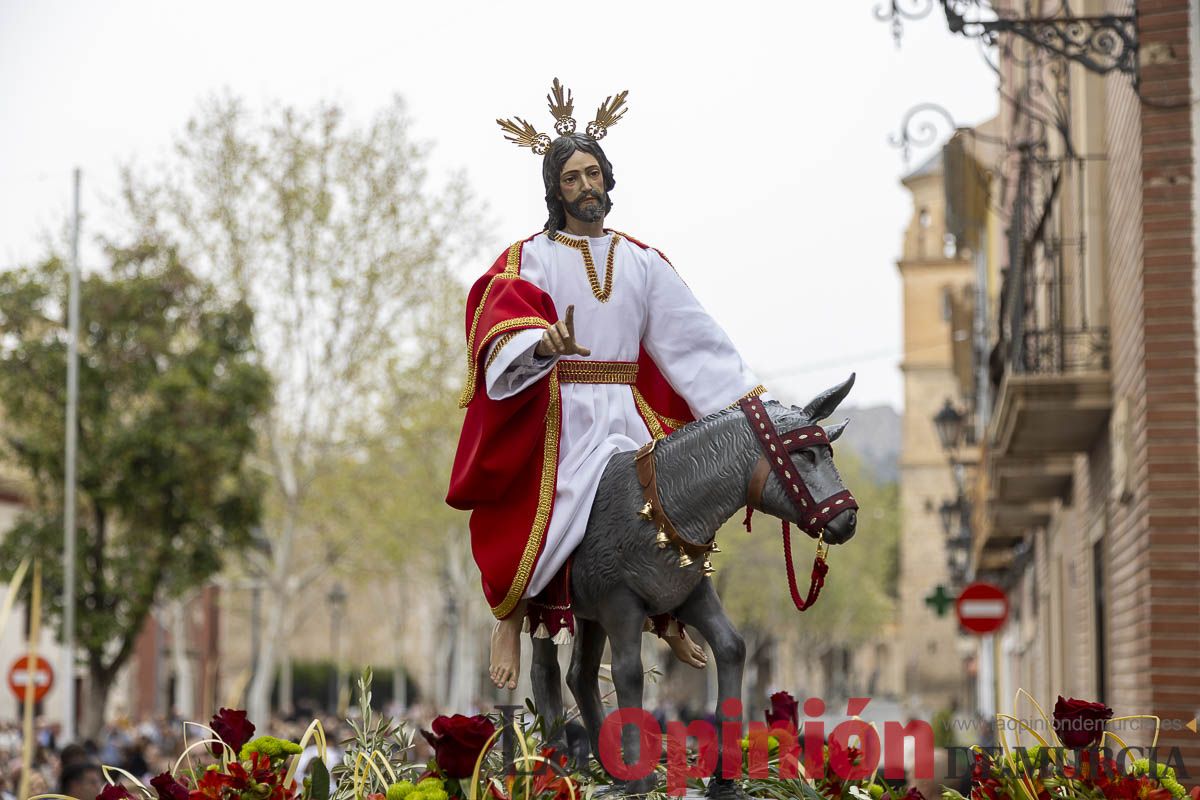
939, 601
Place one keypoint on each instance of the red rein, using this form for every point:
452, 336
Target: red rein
820, 567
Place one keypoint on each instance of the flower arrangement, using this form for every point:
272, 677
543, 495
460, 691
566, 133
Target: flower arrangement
834, 777
229, 762
242, 768
1045, 771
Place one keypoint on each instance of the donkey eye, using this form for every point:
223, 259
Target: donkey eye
809, 456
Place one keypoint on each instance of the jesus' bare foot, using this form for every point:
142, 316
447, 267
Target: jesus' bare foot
686, 650
506, 649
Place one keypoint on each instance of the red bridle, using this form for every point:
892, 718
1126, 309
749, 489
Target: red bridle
813, 516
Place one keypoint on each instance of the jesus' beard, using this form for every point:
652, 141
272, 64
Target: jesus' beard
591, 212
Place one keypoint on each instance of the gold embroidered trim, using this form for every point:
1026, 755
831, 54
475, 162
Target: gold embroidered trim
601, 294
648, 415
579, 371
513, 265
512, 269
755, 392
671, 422
661, 254
503, 340
545, 497
509, 324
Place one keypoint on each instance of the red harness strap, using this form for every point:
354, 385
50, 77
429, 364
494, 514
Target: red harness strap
812, 516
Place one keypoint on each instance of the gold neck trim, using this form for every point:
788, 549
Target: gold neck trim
602, 293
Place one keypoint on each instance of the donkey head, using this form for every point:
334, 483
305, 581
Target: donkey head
813, 464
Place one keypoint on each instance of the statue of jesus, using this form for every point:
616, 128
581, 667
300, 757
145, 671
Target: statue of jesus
582, 342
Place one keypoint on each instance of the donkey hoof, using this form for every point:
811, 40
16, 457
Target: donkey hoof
725, 789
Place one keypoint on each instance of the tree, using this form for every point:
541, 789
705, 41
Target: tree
856, 602
334, 235
168, 394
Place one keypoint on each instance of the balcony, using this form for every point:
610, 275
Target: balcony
1030, 479
1052, 403
1054, 399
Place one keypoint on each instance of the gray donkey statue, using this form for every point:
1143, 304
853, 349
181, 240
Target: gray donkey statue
766, 455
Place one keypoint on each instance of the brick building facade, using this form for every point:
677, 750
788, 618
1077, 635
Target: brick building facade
1086, 499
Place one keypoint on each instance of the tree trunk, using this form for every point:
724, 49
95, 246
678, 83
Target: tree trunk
467, 676
287, 704
184, 699
399, 673
278, 591
99, 685
400, 687
750, 671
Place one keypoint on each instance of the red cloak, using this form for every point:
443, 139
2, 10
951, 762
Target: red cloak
506, 467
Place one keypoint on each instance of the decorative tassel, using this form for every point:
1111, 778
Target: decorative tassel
816, 579
525, 625
749, 514
563, 637
542, 632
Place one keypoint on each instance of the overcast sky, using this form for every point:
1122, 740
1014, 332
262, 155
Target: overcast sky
755, 152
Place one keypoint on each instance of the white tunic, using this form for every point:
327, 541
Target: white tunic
649, 305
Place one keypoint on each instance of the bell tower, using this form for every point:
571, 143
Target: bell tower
934, 280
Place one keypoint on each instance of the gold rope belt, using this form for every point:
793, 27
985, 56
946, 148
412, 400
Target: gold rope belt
583, 371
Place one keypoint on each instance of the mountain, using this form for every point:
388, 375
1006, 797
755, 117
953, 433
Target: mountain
874, 436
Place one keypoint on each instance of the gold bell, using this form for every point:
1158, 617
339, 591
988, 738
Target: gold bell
647, 512
709, 569
684, 559
661, 540
714, 548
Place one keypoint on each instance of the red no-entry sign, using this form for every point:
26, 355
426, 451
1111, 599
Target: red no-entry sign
981, 608
19, 676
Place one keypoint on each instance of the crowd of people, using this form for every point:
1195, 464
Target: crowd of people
146, 749
142, 749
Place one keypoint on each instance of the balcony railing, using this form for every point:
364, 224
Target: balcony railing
1056, 351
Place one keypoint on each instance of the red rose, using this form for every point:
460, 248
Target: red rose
784, 711
115, 791
233, 728
457, 742
168, 788
1079, 723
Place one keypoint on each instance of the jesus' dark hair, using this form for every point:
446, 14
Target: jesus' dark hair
552, 165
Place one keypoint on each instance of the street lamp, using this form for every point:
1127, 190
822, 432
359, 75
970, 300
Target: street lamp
949, 424
337, 603
947, 511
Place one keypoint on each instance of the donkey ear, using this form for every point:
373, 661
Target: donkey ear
834, 431
827, 401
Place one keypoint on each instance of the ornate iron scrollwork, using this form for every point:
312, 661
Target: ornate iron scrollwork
899, 10
920, 128
1102, 44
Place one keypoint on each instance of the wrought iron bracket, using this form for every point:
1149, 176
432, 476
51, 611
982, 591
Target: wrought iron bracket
1102, 44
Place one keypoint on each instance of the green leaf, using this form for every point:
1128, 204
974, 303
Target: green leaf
320, 781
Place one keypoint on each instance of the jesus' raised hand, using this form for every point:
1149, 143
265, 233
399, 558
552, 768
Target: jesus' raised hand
559, 338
